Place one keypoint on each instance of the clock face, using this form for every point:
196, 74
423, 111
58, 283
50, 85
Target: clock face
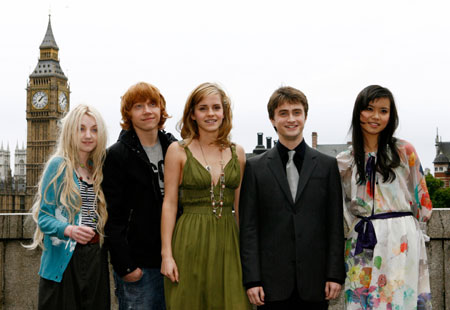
40, 100
62, 101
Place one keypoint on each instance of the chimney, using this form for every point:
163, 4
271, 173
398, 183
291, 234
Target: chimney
269, 142
314, 140
259, 148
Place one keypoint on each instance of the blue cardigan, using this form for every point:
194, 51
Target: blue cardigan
53, 220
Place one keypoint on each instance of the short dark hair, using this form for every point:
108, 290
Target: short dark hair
286, 94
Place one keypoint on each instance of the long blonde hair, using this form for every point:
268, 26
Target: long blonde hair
67, 148
189, 128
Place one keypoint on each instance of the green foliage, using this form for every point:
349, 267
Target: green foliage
440, 196
433, 184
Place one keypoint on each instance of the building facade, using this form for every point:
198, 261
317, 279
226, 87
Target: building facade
48, 99
5, 164
20, 163
329, 149
442, 161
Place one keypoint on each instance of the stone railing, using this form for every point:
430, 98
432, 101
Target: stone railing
19, 266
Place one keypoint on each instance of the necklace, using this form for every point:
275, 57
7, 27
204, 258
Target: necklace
83, 166
217, 206
208, 167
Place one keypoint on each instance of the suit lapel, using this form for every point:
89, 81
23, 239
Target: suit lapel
309, 163
277, 169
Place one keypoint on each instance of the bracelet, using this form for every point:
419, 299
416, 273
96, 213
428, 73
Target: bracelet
70, 233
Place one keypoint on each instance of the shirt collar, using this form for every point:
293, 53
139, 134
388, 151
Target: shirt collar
299, 149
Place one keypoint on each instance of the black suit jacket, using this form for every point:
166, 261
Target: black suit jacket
286, 243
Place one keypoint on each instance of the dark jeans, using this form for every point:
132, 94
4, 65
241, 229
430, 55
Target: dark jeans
85, 282
144, 294
294, 303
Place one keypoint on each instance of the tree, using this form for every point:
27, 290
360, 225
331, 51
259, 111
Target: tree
440, 196
433, 184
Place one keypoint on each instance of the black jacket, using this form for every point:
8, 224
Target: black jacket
287, 243
134, 203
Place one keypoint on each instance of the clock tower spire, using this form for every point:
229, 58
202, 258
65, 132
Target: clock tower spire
48, 94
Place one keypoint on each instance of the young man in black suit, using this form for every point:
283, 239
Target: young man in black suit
291, 221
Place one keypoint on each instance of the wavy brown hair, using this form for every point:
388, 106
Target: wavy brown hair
188, 128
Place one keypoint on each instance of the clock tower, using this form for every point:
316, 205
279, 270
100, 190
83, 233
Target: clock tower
47, 101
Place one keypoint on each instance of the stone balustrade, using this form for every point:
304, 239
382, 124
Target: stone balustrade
19, 266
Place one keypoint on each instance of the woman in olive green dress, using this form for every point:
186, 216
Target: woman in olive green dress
203, 173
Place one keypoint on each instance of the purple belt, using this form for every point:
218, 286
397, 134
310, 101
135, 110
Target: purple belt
367, 238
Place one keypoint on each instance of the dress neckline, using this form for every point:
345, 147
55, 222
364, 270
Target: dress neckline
206, 170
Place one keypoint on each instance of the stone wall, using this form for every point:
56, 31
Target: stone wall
19, 266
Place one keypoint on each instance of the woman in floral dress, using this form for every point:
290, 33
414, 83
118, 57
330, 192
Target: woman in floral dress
387, 206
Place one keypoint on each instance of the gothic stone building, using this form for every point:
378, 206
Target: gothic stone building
442, 161
48, 99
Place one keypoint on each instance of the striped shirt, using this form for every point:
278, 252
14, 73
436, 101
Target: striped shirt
89, 216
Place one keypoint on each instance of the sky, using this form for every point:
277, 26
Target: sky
328, 49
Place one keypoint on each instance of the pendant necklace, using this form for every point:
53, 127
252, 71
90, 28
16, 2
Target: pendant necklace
83, 166
216, 205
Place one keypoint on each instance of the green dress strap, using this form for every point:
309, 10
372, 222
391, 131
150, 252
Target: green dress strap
184, 145
233, 150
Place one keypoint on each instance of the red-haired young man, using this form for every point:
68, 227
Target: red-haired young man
134, 189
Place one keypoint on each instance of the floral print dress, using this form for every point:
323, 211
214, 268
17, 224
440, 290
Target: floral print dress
394, 275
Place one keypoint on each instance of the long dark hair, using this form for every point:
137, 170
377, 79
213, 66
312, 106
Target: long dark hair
386, 160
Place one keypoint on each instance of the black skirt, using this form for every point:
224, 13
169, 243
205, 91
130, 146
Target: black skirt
85, 282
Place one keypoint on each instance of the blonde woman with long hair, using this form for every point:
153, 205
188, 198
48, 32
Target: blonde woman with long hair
200, 254
70, 213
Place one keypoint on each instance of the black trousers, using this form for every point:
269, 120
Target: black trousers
294, 303
85, 282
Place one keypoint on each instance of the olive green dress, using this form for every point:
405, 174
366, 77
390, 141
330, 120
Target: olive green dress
205, 248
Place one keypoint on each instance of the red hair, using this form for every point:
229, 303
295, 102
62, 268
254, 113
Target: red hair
141, 92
